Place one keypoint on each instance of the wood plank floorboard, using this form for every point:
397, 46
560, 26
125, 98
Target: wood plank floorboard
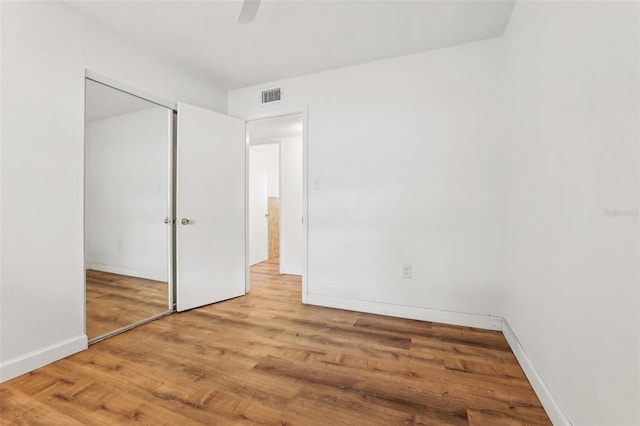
267, 359
114, 301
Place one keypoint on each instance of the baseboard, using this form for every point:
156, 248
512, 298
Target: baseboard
23, 364
131, 272
540, 388
487, 322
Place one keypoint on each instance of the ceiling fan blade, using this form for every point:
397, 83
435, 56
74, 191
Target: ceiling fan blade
249, 11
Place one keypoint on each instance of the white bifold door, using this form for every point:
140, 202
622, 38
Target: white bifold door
210, 203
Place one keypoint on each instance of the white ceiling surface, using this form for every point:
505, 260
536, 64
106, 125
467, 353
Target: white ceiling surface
271, 130
293, 38
103, 102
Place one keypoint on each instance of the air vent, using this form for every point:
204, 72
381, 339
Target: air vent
271, 95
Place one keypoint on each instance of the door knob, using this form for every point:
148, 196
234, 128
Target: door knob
184, 221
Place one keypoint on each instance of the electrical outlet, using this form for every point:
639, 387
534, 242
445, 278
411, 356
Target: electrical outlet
406, 271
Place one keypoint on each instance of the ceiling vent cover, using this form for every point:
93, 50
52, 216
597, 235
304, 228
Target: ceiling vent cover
271, 95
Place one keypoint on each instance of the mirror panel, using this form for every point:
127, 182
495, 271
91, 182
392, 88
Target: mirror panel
127, 147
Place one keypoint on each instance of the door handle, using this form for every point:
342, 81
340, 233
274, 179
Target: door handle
184, 221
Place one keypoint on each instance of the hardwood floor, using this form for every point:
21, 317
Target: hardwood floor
115, 301
267, 359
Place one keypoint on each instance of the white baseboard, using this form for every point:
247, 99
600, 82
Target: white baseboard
540, 388
131, 272
23, 364
423, 314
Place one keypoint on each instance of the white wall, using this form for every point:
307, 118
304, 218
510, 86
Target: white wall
127, 187
409, 155
271, 156
571, 292
46, 47
291, 242
272, 153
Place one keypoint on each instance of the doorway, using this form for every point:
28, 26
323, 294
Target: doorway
264, 203
275, 193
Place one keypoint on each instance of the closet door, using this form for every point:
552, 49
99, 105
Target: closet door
210, 203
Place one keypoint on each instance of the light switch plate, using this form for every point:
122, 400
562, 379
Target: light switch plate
406, 271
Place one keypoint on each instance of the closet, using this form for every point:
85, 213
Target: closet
164, 207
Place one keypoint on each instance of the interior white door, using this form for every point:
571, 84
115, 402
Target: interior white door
258, 197
210, 199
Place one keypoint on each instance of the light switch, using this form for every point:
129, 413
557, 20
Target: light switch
406, 271
316, 183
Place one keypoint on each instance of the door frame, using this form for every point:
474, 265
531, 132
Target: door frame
275, 113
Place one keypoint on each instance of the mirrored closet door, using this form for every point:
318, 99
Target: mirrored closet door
128, 143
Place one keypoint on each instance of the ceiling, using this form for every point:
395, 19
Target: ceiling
293, 38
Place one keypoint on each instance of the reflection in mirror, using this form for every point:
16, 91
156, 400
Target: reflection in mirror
127, 143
